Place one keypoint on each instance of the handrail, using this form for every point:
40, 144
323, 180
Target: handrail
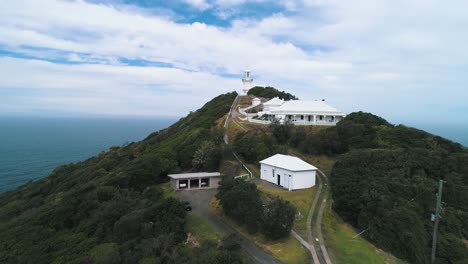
240, 176
243, 165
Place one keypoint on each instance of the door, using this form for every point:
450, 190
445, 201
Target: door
279, 179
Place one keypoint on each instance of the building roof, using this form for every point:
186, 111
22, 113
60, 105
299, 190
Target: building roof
194, 175
274, 101
288, 162
305, 106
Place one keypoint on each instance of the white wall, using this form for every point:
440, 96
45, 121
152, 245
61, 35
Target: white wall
288, 179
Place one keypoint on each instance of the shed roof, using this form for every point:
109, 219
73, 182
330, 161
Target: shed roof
194, 175
288, 162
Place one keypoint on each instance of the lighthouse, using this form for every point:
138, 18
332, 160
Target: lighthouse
247, 81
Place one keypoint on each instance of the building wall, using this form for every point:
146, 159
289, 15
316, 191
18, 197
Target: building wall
174, 184
288, 179
304, 179
214, 183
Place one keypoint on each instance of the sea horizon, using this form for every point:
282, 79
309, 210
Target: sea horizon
33, 146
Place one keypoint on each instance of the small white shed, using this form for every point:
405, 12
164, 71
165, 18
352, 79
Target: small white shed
289, 172
256, 101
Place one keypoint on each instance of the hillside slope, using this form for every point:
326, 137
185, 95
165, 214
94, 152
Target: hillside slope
384, 180
109, 208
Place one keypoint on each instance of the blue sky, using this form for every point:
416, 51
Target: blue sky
404, 60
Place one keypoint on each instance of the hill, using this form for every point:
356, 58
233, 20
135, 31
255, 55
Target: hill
110, 208
384, 180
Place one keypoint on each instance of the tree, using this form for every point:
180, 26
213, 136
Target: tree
278, 218
271, 92
241, 201
282, 132
207, 157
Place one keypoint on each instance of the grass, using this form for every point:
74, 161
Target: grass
167, 190
254, 169
343, 249
201, 229
287, 250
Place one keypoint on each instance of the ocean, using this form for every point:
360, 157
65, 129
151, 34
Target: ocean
30, 148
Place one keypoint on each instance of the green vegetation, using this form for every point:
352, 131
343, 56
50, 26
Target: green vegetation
241, 201
383, 181
344, 249
116, 207
288, 250
201, 229
386, 185
271, 92
301, 199
278, 218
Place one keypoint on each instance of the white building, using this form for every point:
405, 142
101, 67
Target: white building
289, 172
299, 112
195, 181
247, 81
256, 101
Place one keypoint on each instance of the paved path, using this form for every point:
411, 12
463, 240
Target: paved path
310, 238
200, 201
320, 216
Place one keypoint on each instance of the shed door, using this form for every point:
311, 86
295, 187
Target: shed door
279, 179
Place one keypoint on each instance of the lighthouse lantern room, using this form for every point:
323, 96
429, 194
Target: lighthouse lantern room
247, 81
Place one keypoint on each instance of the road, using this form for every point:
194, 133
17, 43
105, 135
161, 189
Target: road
200, 201
319, 253
318, 222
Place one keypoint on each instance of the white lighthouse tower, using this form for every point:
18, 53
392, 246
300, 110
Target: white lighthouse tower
247, 81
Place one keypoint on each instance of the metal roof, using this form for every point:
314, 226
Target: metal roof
194, 175
274, 101
288, 162
304, 106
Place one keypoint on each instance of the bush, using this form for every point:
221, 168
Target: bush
278, 218
271, 92
241, 201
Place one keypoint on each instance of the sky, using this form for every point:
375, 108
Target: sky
406, 60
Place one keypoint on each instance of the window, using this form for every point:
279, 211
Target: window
205, 182
183, 184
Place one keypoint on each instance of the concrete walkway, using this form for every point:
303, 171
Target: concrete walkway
320, 216
200, 201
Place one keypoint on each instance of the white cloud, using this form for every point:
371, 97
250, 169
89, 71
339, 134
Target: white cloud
200, 4
358, 54
109, 89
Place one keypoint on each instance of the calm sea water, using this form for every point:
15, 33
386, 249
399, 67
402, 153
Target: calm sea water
31, 148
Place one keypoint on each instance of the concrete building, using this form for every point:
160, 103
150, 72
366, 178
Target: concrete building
289, 172
299, 112
195, 181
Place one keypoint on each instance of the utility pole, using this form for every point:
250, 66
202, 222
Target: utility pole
436, 219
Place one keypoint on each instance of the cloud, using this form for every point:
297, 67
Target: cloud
108, 89
379, 56
200, 4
